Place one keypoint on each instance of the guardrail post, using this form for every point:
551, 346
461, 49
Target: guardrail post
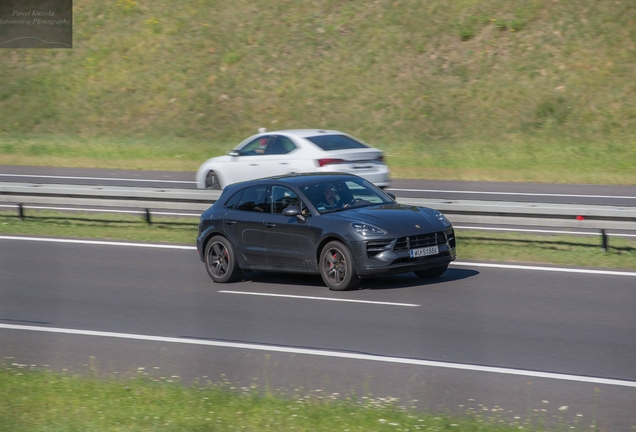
148, 217
20, 211
604, 240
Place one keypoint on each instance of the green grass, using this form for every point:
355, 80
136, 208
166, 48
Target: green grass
100, 226
37, 399
472, 90
561, 249
572, 250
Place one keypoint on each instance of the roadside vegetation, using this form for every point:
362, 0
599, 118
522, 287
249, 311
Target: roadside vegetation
37, 399
561, 249
539, 91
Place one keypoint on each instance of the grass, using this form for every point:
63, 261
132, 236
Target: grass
37, 399
100, 226
584, 251
536, 91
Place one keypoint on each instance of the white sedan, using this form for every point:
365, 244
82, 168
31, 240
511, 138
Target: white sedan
294, 151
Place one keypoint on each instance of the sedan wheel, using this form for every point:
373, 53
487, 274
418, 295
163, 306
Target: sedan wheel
432, 273
212, 181
220, 261
337, 268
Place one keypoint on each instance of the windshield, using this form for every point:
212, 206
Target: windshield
342, 195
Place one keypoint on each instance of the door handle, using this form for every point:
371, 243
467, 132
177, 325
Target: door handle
230, 222
270, 225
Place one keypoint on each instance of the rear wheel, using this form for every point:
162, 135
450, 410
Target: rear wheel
337, 268
433, 272
220, 260
212, 181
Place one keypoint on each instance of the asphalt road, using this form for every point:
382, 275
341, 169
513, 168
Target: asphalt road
519, 339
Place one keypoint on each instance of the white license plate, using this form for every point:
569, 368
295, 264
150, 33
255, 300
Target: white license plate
362, 166
416, 253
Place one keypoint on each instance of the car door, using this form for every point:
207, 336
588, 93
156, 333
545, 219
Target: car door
290, 240
277, 159
244, 226
250, 161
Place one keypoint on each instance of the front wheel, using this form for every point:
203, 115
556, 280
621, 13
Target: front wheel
212, 181
432, 273
337, 268
220, 260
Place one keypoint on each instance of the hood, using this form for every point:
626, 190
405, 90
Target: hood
396, 219
223, 158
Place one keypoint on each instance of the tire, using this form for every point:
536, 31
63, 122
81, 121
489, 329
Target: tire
212, 181
220, 261
337, 268
432, 273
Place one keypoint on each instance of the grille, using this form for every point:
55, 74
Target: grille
412, 242
376, 247
450, 235
419, 241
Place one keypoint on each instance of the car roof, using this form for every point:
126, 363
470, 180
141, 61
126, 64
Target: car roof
304, 133
298, 179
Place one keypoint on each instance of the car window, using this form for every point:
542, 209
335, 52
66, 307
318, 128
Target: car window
281, 198
336, 142
255, 147
357, 191
318, 196
254, 198
234, 200
280, 145
347, 194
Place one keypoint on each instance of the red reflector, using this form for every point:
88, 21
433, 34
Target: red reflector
323, 162
580, 218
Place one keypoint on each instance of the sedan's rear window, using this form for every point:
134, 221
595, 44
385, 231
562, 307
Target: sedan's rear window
336, 142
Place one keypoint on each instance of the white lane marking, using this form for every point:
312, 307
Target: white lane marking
320, 298
467, 264
547, 269
515, 193
98, 178
101, 243
478, 228
334, 354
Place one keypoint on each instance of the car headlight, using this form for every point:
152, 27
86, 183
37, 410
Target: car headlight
366, 229
439, 215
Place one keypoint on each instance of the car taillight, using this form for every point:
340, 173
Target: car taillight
323, 162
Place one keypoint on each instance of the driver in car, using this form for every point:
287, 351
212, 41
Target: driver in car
331, 200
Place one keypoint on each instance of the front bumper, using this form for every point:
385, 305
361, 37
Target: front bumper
393, 260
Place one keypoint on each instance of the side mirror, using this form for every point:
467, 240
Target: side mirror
295, 212
391, 195
234, 153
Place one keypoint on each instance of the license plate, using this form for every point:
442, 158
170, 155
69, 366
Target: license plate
416, 253
362, 166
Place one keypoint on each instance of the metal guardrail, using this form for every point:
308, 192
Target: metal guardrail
601, 217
